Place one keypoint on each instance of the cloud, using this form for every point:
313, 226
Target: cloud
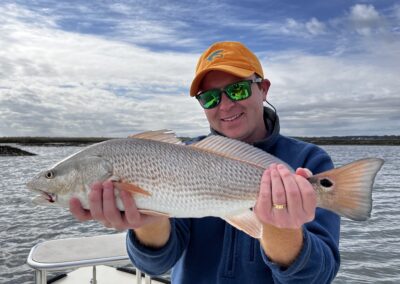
61, 83
292, 27
365, 18
396, 11
121, 69
327, 95
364, 14
315, 27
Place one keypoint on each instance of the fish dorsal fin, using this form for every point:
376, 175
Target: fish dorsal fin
235, 149
163, 135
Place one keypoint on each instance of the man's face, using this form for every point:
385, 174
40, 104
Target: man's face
242, 120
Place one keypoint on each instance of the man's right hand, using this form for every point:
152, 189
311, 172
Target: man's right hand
150, 230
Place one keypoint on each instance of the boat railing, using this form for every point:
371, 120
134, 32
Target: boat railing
72, 253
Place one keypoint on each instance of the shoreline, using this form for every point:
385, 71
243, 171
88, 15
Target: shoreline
82, 141
6, 150
390, 140
53, 141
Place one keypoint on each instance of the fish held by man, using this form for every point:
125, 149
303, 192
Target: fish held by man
216, 176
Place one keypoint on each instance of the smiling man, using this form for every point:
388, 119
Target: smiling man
239, 120
299, 242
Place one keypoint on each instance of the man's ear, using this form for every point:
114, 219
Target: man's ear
265, 84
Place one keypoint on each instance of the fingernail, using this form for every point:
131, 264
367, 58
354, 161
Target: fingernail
108, 185
95, 189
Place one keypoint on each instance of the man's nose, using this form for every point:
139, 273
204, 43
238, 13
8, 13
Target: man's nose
226, 103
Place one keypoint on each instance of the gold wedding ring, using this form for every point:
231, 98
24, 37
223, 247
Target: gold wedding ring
279, 206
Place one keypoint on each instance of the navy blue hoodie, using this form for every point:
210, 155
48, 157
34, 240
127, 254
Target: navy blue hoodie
209, 250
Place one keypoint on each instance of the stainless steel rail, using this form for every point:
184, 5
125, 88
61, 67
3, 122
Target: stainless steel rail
64, 254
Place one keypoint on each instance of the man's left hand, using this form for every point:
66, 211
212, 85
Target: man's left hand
286, 200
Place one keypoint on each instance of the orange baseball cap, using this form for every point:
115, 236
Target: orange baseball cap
227, 56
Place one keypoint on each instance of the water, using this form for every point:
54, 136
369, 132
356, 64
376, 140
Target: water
22, 224
370, 250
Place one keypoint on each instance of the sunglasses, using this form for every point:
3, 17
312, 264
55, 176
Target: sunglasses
236, 92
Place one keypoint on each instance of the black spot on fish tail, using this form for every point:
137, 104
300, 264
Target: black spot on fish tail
326, 183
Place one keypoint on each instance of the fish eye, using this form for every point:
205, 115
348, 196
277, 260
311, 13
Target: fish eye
49, 174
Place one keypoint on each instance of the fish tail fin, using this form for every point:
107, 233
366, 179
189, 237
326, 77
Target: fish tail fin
347, 190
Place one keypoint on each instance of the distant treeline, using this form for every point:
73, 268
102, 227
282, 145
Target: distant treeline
333, 140
353, 140
53, 141
13, 151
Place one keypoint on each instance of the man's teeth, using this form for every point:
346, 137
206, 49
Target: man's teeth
231, 118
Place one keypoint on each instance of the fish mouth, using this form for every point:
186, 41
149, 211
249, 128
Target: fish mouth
45, 196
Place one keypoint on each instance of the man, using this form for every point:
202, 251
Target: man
299, 243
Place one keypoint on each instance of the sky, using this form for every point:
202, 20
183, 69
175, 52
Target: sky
115, 68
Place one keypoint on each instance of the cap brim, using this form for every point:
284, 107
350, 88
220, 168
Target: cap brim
236, 71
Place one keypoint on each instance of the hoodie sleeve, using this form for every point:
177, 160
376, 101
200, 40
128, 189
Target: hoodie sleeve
319, 258
159, 261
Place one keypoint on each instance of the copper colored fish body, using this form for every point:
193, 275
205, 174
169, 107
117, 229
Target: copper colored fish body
217, 176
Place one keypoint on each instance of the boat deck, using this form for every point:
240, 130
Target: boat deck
89, 256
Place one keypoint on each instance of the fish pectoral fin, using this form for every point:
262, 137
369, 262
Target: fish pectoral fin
153, 213
131, 188
247, 222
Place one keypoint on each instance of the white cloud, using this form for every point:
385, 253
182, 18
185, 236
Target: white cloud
334, 95
12, 14
122, 8
365, 18
149, 31
315, 27
292, 27
59, 83
364, 13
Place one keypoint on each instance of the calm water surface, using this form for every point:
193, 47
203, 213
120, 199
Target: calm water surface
370, 250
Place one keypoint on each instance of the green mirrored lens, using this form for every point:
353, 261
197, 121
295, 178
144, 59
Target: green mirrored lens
210, 98
239, 91
236, 92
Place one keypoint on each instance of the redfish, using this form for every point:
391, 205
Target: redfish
217, 176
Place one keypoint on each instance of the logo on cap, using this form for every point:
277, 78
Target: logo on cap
215, 54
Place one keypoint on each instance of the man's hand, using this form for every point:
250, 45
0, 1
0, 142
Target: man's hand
286, 200
151, 230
